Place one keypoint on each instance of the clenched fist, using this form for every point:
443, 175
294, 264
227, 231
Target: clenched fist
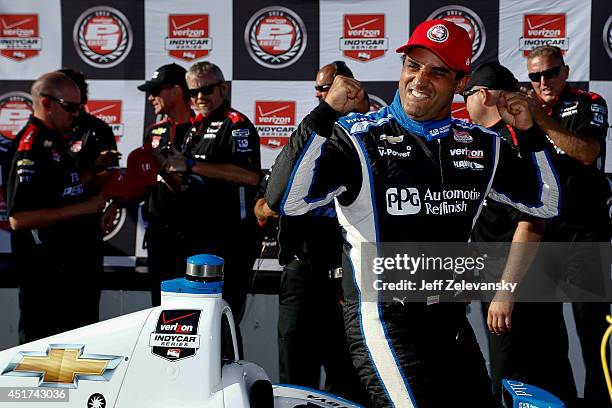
346, 95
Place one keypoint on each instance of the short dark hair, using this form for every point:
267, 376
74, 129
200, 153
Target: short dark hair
546, 51
79, 79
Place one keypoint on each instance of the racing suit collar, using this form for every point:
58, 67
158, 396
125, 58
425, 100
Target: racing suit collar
429, 129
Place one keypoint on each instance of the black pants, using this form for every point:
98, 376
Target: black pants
414, 355
580, 265
311, 332
534, 352
57, 296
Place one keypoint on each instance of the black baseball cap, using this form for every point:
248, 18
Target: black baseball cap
493, 75
171, 74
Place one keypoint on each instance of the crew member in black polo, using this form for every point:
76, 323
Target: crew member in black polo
576, 124
57, 236
207, 190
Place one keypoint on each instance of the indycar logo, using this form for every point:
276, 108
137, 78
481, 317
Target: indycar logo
459, 111
543, 29
102, 37
110, 112
63, 366
275, 37
274, 121
364, 37
188, 36
15, 110
176, 334
19, 36
607, 36
466, 19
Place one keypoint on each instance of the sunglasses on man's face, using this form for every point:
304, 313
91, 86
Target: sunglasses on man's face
550, 73
70, 107
322, 88
205, 90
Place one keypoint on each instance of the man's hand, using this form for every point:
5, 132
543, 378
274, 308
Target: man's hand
346, 95
499, 316
175, 163
515, 110
263, 212
106, 159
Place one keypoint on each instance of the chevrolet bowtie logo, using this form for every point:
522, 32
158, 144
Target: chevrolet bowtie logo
62, 366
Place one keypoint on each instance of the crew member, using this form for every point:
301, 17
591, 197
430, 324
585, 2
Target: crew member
56, 232
527, 340
576, 124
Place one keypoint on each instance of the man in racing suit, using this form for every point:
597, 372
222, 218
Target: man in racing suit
400, 174
575, 123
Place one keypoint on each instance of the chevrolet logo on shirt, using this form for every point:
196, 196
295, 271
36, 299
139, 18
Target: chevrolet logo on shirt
62, 366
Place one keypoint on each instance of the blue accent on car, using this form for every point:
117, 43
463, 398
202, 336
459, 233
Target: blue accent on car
182, 285
518, 394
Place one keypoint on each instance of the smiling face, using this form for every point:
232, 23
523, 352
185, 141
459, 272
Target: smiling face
427, 85
548, 89
206, 104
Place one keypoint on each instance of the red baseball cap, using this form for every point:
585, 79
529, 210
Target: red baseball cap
447, 40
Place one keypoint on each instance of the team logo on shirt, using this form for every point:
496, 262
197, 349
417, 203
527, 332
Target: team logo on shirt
19, 36
364, 37
466, 19
607, 36
102, 37
274, 121
188, 36
110, 112
275, 37
543, 29
15, 110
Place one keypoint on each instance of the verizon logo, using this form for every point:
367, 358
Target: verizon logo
539, 29
13, 30
357, 30
274, 116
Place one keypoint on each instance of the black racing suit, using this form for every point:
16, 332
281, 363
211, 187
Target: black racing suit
58, 265
535, 351
206, 215
396, 180
584, 218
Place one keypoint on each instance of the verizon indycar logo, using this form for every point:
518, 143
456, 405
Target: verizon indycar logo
275, 37
176, 334
364, 37
466, 19
188, 36
15, 110
102, 37
543, 29
607, 36
110, 112
275, 121
19, 36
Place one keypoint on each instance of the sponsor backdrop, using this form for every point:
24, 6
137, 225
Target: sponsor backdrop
269, 51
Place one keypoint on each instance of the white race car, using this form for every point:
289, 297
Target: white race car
180, 354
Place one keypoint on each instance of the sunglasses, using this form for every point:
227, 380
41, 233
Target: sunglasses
205, 90
472, 91
70, 107
322, 88
550, 73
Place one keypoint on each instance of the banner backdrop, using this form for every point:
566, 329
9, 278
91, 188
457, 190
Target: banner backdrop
269, 52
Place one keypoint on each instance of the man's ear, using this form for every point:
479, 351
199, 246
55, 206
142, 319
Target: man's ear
224, 88
46, 103
462, 83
